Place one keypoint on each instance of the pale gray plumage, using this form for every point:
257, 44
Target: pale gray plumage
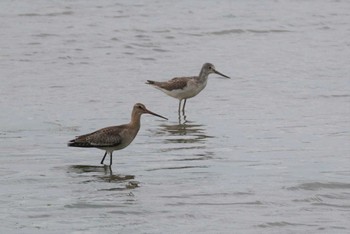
183, 88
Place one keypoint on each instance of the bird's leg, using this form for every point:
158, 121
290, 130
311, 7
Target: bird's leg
110, 159
183, 107
179, 111
180, 106
185, 121
104, 156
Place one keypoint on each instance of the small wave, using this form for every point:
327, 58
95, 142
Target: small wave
199, 158
176, 168
161, 31
48, 14
83, 205
319, 186
29, 14
4, 136
214, 194
282, 224
40, 216
335, 96
128, 186
142, 36
147, 59
145, 45
120, 16
342, 206
57, 86
34, 43
309, 200
231, 31
160, 50
60, 13
169, 149
254, 203
240, 31
45, 35
268, 31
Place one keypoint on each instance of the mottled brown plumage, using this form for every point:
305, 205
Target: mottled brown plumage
105, 137
114, 137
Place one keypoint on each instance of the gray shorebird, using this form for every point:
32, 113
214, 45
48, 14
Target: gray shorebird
183, 88
114, 137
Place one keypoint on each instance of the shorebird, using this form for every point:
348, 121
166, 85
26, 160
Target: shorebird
114, 137
183, 88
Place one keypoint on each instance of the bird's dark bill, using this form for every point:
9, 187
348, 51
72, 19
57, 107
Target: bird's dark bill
221, 74
152, 113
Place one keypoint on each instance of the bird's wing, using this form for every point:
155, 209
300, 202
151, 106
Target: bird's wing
105, 137
175, 83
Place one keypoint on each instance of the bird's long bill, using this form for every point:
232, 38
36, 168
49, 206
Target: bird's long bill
221, 74
152, 113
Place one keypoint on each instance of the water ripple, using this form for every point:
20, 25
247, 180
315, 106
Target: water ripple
63, 13
283, 224
85, 205
176, 168
318, 186
240, 31
253, 203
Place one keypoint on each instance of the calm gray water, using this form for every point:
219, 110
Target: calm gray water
265, 152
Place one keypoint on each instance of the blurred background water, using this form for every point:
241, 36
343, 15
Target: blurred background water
264, 152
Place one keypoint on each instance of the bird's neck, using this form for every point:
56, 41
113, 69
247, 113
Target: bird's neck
135, 120
203, 76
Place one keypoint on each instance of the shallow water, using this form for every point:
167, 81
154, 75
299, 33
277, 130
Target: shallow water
264, 152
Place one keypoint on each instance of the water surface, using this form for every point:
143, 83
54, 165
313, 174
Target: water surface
264, 152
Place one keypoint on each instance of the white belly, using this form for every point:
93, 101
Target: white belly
191, 90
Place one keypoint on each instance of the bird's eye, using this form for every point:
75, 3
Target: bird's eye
210, 67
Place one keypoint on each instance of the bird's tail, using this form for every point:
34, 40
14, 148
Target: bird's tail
75, 143
151, 82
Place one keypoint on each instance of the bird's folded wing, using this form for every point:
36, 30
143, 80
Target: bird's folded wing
175, 83
107, 137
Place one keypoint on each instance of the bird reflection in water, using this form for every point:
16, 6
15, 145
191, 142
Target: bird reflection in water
188, 132
185, 144
182, 117
103, 173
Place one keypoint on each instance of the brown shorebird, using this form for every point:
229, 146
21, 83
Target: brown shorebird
115, 137
183, 88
